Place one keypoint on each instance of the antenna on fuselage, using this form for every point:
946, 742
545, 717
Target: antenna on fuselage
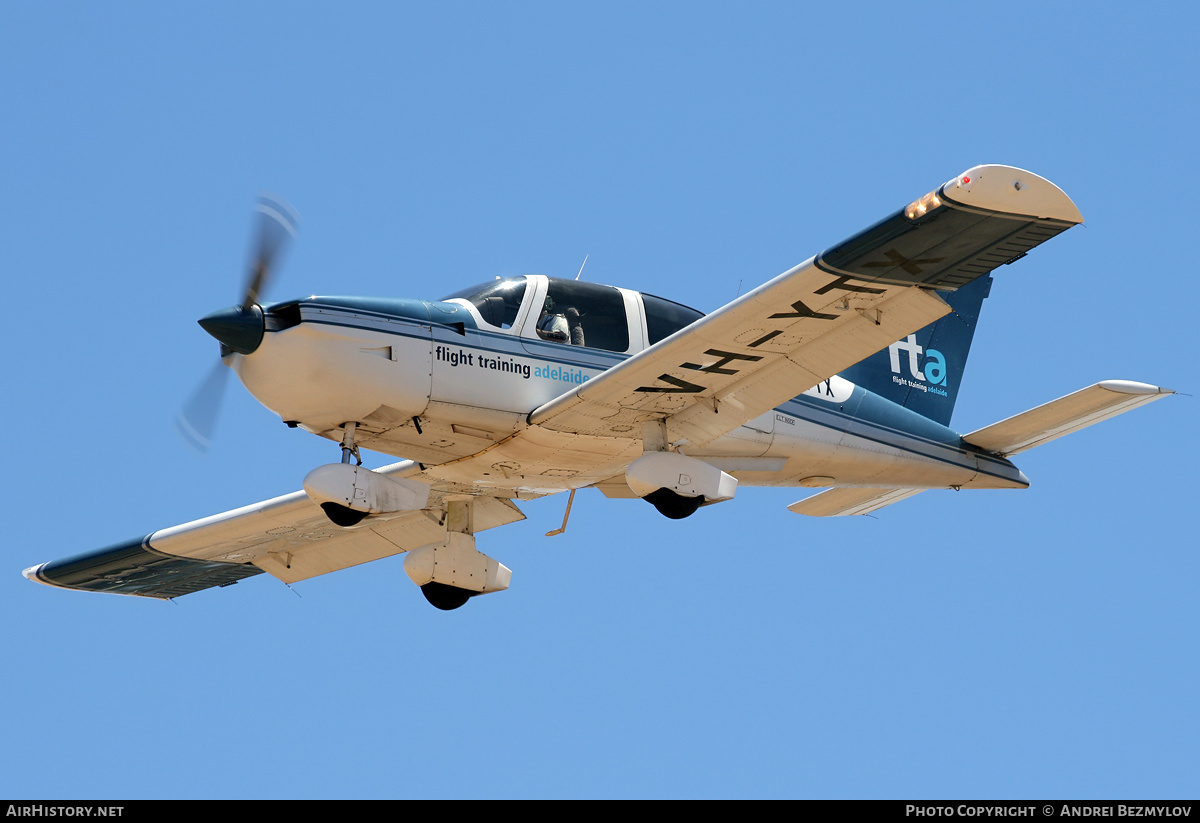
585, 257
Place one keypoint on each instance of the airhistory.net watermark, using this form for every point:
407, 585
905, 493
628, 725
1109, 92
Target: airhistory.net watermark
45, 810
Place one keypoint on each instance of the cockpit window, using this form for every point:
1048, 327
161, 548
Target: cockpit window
584, 314
664, 318
498, 302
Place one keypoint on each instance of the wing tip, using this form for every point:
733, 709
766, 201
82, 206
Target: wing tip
1133, 387
1012, 190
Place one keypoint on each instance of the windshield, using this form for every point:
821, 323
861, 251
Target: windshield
498, 301
665, 317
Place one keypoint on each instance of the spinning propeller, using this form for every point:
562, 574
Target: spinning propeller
239, 328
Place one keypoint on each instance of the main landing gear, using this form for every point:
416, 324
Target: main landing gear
453, 571
672, 505
449, 572
672, 482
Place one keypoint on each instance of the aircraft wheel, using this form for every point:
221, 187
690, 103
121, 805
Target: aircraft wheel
341, 515
446, 598
672, 505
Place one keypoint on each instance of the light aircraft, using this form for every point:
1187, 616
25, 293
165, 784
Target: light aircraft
840, 375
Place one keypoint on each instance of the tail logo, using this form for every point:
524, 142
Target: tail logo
932, 370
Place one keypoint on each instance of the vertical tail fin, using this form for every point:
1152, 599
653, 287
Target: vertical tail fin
923, 371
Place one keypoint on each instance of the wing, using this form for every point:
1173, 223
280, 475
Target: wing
288, 537
823, 316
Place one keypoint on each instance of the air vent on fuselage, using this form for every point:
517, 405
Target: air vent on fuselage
282, 316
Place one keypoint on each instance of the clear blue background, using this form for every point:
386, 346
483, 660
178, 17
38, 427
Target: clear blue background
991, 644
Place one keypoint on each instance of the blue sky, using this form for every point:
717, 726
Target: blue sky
991, 644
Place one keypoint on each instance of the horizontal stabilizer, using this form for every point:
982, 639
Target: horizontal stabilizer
839, 502
1008, 437
1063, 416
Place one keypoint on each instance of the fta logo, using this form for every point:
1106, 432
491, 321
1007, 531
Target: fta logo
934, 364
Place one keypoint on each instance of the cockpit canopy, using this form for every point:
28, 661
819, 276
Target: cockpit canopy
576, 313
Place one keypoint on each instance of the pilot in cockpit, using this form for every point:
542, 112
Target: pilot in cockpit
560, 324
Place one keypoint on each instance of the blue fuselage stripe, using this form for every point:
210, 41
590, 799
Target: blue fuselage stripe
949, 450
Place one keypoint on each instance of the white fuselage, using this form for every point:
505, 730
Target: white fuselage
448, 395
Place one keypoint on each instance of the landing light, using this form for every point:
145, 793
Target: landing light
919, 208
